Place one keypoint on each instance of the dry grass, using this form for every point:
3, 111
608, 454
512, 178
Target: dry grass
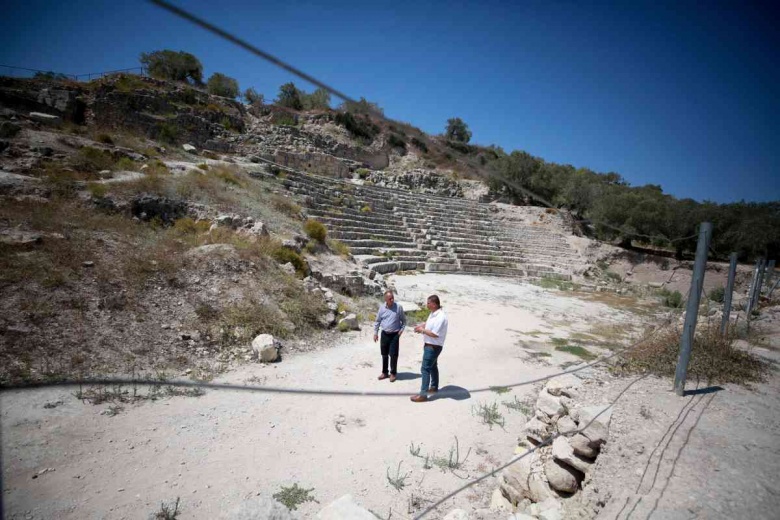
714, 358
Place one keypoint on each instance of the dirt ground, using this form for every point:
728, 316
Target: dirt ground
66, 459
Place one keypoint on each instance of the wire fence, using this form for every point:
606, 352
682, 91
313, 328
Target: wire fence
49, 75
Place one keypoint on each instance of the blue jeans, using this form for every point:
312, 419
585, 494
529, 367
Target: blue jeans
430, 368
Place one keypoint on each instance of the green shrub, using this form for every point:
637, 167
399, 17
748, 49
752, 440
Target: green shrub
89, 159
396, 141
671, 299
718, 294
315, 230
359, 126
104, 138
420, 145
366, 209
338, 247
222, 85
284, 255
174, 66
168, 133
362, 173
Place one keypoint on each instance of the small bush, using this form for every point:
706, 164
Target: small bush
203, 166
396, 141
283, 255
366, 209
671, 299
286, 206
718, 294
168, 133
97, 189
578, 351
294, 496
362, 173
359, 126
420, 145
104, 138
489, 414
315, 230
91, 159
222, 85
338, 247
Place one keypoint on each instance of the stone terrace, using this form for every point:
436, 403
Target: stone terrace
391, 230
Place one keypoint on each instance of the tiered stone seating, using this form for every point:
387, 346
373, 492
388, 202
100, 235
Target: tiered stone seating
392, 230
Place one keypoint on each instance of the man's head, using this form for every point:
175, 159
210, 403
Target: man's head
433, 303
389, 298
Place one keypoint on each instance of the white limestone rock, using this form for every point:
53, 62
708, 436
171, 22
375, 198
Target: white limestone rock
457, 514
561, 476
562, 451
525, 479
566, 384
188, 147
345, 508
499, 503
535, 430
259, 509
583, 446
566, 424
350, 321
265, 348
549, 404
595, 420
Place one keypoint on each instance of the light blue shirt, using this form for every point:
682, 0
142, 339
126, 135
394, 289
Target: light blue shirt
390, 319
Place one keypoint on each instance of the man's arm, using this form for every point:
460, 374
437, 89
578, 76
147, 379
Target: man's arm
376, 323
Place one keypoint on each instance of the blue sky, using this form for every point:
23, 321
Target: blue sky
662, 93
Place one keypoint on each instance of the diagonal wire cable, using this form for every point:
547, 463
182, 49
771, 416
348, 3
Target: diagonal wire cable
478, 168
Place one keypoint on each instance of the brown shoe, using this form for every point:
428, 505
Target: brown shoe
392, 378
382, 376
418, 399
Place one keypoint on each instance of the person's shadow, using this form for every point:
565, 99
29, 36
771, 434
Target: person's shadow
457, 393
407, 376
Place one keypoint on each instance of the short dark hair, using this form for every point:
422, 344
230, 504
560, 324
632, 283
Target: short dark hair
435, 299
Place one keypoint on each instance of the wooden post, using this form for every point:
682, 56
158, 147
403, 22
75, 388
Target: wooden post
692, 308
724, 325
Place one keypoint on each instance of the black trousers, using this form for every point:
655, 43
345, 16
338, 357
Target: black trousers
388, 345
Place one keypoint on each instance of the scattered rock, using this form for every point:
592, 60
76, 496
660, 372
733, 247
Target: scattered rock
265, 348
288, 268
566, 424
45, 118
499, 503
567, 384
189, 148
536, 430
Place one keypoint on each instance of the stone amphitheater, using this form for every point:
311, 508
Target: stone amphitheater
392, 230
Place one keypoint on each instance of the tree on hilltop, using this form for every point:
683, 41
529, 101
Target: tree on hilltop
173, 66
222, 85
289, 96
253, 97
457, 130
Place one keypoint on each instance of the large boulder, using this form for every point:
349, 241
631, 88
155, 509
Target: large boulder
345, 508
563, 452
595, 420
265, 348
525, 479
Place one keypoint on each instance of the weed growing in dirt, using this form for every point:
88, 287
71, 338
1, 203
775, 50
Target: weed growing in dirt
488, 414
500, 389
415, 450
671, 299
398, 481
452, 461
168, 511
559, 342
294, 495
551, 282
338, 247
714, 358
578, 351
518, 406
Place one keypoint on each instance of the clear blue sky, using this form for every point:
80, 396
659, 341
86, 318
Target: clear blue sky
662, 93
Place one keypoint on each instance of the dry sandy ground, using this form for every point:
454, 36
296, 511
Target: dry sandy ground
225, 447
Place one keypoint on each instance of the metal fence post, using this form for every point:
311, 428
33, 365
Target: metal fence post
753, 281
759, 281
692, 308
770, 272
724, 325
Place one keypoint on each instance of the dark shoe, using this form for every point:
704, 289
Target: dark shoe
433, 390
382, 376
392, 378
418, 399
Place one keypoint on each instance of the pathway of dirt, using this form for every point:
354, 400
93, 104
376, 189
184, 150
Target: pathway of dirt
220, 449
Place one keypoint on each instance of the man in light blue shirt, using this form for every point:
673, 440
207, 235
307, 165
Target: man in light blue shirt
391, 319
434, 332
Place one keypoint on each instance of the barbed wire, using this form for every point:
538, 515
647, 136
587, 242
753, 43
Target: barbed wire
182, 13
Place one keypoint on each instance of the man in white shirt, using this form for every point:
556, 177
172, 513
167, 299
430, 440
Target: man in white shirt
434, 332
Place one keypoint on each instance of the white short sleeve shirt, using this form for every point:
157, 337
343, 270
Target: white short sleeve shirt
436, 323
